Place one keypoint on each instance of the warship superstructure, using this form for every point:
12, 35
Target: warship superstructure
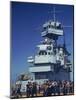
51, 62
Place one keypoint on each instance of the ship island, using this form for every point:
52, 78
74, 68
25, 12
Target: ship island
49, 65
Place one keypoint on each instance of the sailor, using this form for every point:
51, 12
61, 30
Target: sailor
28, 90
34, 89
18, 92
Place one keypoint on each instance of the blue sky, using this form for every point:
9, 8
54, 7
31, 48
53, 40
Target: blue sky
26, 23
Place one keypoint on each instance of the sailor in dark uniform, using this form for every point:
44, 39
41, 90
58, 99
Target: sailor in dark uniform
34, 89
28, 91
18, 92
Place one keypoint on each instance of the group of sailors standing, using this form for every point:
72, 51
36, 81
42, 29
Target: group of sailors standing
48, 88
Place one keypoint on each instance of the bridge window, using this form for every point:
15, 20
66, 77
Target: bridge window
59, 27
49, 53
42, 53
49, 26
49, 48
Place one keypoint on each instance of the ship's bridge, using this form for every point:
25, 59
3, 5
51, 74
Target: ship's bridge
45, 54
52, 28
